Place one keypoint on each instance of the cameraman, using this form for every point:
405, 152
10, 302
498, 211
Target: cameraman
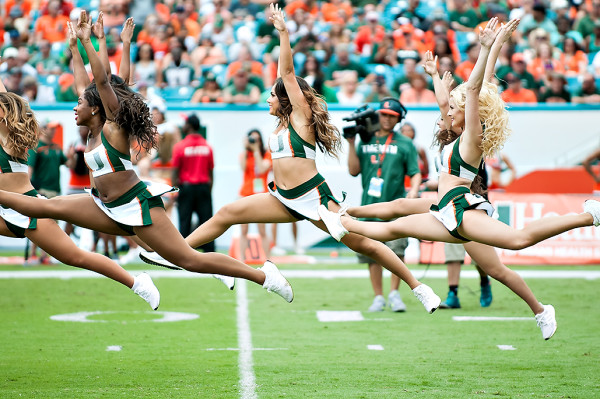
383, 161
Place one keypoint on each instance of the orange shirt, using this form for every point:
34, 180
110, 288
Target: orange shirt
331, 12
523, 96
25, 6
571, 63
194, 29
291, 8
255, 69
538, 68
411, 96
464, 69
366, 36
252, 183
52, 29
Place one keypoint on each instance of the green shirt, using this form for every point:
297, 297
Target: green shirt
469, 18
400, 160
46, 161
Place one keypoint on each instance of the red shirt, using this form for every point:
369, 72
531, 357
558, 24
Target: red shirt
193, 157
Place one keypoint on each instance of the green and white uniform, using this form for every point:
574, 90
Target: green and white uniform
452, 206
303, 200
16, 222
133, 207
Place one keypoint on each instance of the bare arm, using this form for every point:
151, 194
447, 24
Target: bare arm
98, 31
108, 96
82, 80
126, 35
503, 36
415, 184
442, 95
587, 164
353, 161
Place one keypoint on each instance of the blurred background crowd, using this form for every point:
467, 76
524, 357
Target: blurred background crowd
351, 52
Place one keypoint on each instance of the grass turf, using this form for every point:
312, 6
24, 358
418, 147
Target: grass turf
429, 356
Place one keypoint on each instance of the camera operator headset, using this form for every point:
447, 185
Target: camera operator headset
382, 158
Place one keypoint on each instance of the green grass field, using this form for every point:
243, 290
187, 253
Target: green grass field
251, 344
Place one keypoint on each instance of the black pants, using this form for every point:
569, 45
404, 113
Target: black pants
194, 198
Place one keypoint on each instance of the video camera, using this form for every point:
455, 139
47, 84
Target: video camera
366, 124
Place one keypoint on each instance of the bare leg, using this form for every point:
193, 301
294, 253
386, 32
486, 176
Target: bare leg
376, 275
55, 242
243, 241
453, 272
488, 260
393, 209
258, 208
479, 227
178, 252
266, 244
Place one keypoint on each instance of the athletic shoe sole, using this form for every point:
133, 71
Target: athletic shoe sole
155, 263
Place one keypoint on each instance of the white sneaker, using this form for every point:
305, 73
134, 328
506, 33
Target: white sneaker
132, 256
144, 287
155, 259
395, 302
227, 280
275, 282
593, 208
278, 251
428, 298
546, 321
299, 250
378, 304
333, 222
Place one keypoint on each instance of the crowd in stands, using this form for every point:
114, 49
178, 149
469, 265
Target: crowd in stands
350, 51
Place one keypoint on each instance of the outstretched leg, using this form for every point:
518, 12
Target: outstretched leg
393, 209
258, 208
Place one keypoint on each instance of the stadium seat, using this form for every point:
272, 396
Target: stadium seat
573, 84
183, 93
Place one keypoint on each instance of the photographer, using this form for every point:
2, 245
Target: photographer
382, 158
256, 162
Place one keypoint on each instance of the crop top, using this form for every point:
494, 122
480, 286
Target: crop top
288, 143
453, 164
9, 164
106, 159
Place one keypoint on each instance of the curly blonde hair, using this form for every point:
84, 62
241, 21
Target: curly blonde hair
492, 113
23, 128
327, 135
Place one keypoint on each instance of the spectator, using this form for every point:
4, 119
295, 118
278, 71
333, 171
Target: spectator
409, 41
589, 92
382, 174
242, 10
384, 52
65, 91
308, 6
585, 25
30, 88
44, 169
518, 68
53, 26
44, 61
539, 19
144, 68
369, 34
594, 157
515, 93
573, 58
403, 82
220, 31
557, 91
463, 70
341, 63
183, 23
193, 166
411, 15
379, 89
408, 129
463, 16
544, 63
169, 135
206, 53
14, 60
348, 93
177, 73
241, 90
244, 58
337, 11
418, 93
314, 76
255, 162
209, 92
593, 40
14, 80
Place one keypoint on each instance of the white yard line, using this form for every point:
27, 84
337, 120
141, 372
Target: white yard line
247, 377
301, 273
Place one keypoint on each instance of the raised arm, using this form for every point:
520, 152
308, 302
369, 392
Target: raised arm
504, 35
286, 64
107, 94
442, 94
82, 80
126, 35
473, 129
98, 31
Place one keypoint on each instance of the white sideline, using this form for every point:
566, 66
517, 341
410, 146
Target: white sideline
300, 273
247, 378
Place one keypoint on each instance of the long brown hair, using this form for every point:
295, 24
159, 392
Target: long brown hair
23, 128
133, 115
327, 135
